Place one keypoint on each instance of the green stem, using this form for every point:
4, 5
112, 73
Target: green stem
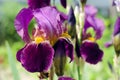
51, 73
78, 70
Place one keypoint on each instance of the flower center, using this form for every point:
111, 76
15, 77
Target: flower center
38, 40
91, 39
66, 35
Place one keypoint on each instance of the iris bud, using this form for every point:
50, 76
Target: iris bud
116, 43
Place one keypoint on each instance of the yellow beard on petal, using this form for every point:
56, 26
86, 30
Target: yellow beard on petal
66, 35
38, 40
92, 39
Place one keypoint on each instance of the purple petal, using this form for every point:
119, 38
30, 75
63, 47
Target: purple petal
90, 10
96, 24
116, 3
65, 78
18, 55
64, 3
62, 48
117, 27
22, 21
108, 44
71, 18
67, 46
36, 58
50, 20
38, 3
91, 53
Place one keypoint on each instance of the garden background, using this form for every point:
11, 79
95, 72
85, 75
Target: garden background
10, 43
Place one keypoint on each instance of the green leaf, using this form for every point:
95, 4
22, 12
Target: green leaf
12, 62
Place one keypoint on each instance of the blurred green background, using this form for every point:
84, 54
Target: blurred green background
10, 43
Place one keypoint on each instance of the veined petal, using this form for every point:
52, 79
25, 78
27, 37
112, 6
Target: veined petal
65, 78
21, 23
117, 27
90, 52
38, 3
36, 58
50, 20
96, 24
64, 3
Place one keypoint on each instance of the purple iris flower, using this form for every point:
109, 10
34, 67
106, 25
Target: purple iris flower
89, 49
38, 53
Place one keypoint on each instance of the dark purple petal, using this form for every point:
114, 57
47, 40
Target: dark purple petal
63, 48
96, 24
18, 55
64, 3
38, 3
36, 58
50, 20
91, 53
22, 21
117, 27
71, 18
65, 78
90, 10
66, 45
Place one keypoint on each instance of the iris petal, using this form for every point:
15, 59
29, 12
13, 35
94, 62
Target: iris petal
96, 24
62, 49
22, 21
51, 24
117, 27
90, 10
91, 53
38, 3
66, 45
36, 58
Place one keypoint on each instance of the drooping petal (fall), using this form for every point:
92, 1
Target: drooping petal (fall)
63, 48
22, 21
36, 58
50, 20
33, 4
90, 52
67, 46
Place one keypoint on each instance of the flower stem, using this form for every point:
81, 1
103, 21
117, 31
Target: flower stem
78, 70
116, 66
51, 73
